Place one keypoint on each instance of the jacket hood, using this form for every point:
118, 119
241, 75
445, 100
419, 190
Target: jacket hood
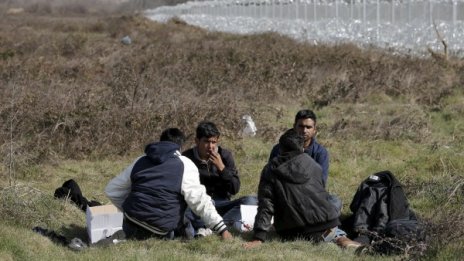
159, 152
292, 167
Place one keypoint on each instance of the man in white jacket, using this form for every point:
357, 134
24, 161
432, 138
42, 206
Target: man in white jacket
154, 191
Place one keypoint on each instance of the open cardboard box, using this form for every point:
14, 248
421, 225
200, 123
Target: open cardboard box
248, 216
103, 221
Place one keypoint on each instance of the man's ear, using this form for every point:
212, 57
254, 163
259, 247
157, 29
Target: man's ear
197, 141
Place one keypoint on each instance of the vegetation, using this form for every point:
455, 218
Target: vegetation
77, 103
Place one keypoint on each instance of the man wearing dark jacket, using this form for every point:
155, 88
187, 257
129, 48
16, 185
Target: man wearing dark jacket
291, 190
155, 190
218, 174
305, 124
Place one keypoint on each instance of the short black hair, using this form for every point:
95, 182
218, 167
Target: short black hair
207, 129
305, 114
291, 141
173, 135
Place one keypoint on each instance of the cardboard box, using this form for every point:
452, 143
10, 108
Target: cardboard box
103, 221
248, 216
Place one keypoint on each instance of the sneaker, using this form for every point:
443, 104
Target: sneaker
77, 244
204, 232
345, 242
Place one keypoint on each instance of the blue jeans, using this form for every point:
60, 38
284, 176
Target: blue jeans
337, 202
334, 234
229, 210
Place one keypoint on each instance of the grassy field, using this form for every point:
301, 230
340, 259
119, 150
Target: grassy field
77, 103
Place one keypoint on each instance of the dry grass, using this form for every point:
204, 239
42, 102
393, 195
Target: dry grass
77, 91
69, 89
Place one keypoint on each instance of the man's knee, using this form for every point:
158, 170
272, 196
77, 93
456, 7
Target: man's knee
249, 200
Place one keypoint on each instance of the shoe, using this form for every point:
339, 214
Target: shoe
204, 232
77, 244
345, 242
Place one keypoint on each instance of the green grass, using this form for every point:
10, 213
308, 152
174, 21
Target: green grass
430, 176
84, 106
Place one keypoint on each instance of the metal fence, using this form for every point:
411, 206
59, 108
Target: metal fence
404, 25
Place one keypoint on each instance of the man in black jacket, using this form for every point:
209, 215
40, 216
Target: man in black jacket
291, 189
218, 174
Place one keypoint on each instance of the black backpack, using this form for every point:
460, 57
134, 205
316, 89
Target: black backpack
70, 189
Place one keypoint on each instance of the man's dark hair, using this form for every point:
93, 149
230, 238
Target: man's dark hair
305, 114
173, 135
291, 141
207, 129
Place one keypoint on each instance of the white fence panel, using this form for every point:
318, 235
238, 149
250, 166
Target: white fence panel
402, 25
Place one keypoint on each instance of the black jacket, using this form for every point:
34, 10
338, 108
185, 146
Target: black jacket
218, 185
379, 199
291, 189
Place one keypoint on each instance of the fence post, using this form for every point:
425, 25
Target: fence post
314, 10
455, 14
364, 14
431, 11
378, 20
296, 9
273, 13
392, 11
351, 9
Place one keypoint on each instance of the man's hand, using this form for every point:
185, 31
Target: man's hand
226, 235
215, 158
252, 244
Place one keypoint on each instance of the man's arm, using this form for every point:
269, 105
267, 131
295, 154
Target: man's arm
201, 204
265, 206
323, 160
274, 152
229, 172
119, 187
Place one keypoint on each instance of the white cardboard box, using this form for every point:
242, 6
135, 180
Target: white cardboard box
103, 221
248, 216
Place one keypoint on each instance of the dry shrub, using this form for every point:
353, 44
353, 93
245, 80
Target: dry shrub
372, 122
68, 7
72, 8
27, 206
81, 92
445, 225
42, 8
71, 44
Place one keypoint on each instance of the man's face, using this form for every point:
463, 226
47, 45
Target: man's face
206, 146
307, 128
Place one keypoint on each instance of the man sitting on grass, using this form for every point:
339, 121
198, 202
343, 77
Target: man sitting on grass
155, 190
291, 189
219, 175
305, 125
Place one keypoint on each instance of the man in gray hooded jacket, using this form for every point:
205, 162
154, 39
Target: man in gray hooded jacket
291, 189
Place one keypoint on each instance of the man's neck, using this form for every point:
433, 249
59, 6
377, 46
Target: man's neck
307, 143
197, 154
